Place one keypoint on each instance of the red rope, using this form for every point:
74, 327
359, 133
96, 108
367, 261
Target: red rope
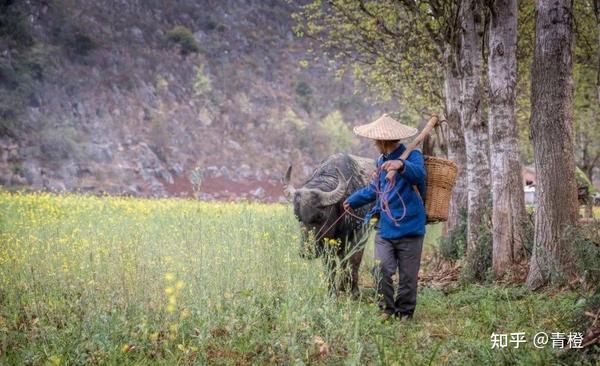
330, 226
384, 199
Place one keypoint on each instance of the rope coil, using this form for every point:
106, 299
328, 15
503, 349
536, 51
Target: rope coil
383, 199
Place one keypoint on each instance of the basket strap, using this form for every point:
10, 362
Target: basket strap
418, 193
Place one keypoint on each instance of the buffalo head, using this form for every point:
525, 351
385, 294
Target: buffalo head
316, 211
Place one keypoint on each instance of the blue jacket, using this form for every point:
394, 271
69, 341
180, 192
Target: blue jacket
413, 173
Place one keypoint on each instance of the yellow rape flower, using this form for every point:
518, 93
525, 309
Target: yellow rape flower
185, 313
154, 337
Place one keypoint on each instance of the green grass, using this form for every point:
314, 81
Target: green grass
101, 280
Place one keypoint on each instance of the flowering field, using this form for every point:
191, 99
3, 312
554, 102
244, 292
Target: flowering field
104, 280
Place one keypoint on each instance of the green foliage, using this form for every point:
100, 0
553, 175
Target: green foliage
82, 44
585, 240
72, 36
184, 37
528, 230
289, 124
16, 169
19, 72
304, 94
394, 47
477, 266
58, 143
339, 136
453, 245
585, 71
207, 23
159, 135
13, 26
583, 180
586, 98
303, 89
202, 83
196, 177
291, 120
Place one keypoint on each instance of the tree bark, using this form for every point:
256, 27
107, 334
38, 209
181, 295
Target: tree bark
597, 13
552, 132
456, 140
508, 210
471, 113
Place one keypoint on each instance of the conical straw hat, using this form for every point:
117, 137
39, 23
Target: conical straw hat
385, 128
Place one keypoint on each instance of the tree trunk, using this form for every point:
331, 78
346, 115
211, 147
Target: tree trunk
471, 114
597, 13
552, 133
508, 199
456, 140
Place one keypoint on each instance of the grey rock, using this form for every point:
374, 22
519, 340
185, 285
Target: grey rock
30, 152
232, 144
137, 34
204, 196
176, 170
164, 174
132, 190
32, 172
277, 175
225, 172
244, 171
212, 171
98, 153
259, 174
17, 180
56, 185
157, 189
5, 179
258, 192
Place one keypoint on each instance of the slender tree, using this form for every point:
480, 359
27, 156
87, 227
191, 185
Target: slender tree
597, 14
552, 133
456, 141
472, 20
508, 210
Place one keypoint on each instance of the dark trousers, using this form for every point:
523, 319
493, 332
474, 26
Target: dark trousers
404, 255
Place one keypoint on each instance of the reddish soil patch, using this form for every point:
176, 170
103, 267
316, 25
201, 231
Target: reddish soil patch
226, 189
181, 187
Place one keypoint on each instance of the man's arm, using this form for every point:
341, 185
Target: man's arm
361, 197
413, 169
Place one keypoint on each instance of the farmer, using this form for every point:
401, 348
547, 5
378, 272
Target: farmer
400, 211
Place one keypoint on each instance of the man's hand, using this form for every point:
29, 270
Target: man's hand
374, 174
347, 206
392, 165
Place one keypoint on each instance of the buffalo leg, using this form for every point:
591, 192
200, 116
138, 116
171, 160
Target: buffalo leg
354, 267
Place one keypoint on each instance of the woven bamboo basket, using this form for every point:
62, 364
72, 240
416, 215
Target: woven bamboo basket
441, 176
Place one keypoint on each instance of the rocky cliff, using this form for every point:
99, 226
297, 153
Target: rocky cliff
179, 97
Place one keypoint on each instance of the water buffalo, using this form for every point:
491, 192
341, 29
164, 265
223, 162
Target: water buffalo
317, 206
